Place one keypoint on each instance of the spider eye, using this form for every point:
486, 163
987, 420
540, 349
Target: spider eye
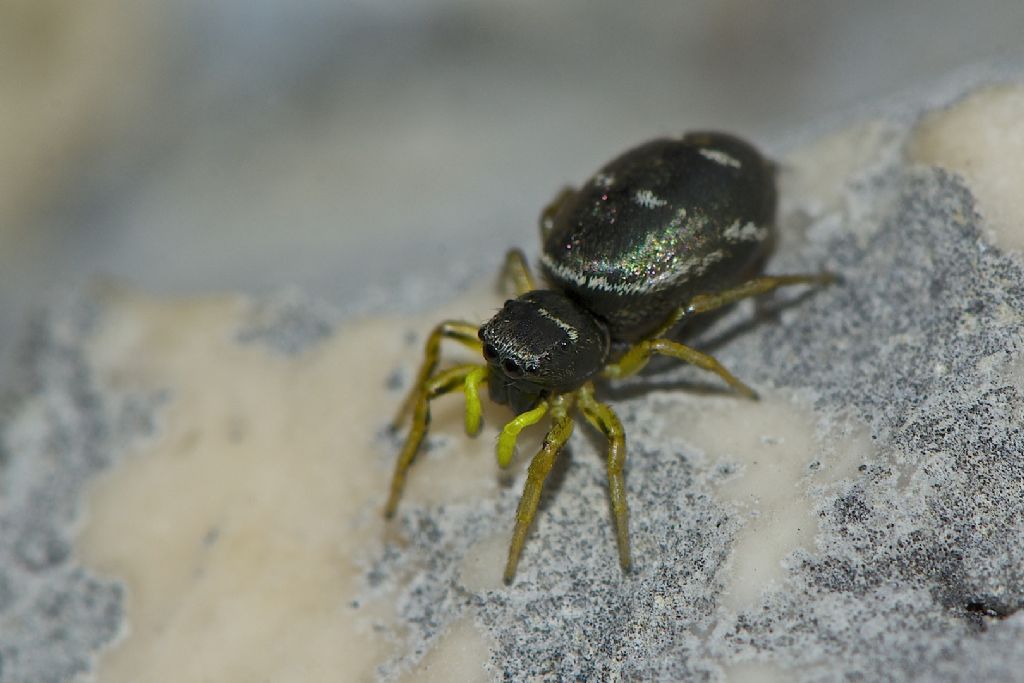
511, 368
490, 353
532, 369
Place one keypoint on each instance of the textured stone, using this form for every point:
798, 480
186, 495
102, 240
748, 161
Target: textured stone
891, 423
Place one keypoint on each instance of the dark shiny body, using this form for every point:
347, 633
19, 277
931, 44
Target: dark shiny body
664, 221
541, 343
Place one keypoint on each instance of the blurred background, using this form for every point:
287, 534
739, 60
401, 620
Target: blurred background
250, 145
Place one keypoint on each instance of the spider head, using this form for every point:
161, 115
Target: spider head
540, 344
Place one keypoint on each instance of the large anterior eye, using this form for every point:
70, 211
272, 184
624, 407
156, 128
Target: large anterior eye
490, 353
511, 368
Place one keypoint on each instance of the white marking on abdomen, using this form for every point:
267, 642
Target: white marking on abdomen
648, 199
748, 232
720, 157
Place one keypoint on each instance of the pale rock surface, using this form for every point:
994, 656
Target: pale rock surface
864, 520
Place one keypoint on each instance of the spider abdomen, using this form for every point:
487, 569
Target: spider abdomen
662, 222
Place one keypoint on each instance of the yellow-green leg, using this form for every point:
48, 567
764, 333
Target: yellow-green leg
518, 270
472, 391
445, 382
462, 332
703, 303
605, 419
540, 467
510, 432
636, 358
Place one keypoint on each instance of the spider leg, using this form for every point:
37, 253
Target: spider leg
471, 389
517, 269
462, 332
604, 418
703, 303
510, 432
636, 358
540, 467
445, 382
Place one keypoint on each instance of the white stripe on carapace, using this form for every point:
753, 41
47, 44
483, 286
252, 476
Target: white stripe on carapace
720, 157
573, 333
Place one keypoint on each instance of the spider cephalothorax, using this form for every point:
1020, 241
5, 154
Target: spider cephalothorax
540, 344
